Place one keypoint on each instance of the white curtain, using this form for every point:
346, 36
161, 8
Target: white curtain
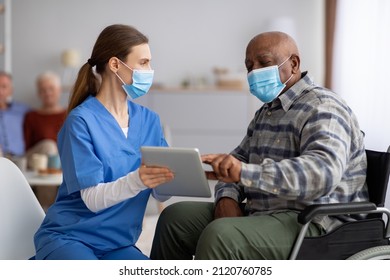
361, 65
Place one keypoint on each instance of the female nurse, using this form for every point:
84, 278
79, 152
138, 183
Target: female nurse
100, 205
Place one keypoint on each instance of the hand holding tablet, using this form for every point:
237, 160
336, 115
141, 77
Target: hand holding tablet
186, 165
153, 176
226, 167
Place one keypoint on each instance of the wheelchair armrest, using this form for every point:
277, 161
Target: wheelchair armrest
311, 211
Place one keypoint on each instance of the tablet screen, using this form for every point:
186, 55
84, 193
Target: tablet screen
186, 164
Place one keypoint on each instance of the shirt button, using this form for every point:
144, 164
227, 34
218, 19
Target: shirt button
269, 113
277, 141
275, 190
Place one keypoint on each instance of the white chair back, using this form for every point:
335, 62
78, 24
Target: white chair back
20, 213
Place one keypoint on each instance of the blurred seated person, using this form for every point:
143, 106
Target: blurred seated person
42, 125
11, 119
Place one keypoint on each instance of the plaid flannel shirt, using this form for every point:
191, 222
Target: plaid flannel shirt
305, 147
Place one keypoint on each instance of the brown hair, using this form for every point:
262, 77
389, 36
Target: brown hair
114, 41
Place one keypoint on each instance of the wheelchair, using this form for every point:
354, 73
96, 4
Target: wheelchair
362, 239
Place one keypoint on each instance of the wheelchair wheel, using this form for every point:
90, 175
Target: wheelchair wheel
374, 253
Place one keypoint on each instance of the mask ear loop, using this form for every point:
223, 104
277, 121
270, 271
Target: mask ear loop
288, 79
282, 65
127, 67
284, 61
123, 82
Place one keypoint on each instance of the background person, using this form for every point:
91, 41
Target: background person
41, 126
101, 203
304, 146
11, 119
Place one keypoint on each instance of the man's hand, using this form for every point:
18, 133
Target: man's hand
227, 207
226, 168
153, 176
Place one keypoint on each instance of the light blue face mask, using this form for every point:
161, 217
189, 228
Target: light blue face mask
142, 81
265, 84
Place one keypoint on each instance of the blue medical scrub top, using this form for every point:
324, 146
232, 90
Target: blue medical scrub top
93, 150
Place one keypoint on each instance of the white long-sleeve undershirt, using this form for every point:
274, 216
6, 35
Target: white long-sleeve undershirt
105, 195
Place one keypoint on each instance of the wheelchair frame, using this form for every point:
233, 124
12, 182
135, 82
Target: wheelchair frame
378, 171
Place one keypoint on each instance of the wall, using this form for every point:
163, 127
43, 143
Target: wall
214, 121
186, 37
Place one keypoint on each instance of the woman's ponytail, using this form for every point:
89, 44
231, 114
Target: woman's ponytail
86, 84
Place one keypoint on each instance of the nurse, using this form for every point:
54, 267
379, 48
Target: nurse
101, 203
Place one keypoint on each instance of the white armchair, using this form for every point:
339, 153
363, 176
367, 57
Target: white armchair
21, 213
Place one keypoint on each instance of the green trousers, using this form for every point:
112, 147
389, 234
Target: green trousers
187, 230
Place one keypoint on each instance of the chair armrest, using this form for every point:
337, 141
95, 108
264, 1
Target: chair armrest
311, 211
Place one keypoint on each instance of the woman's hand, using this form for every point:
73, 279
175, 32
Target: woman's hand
226, 168
152, 176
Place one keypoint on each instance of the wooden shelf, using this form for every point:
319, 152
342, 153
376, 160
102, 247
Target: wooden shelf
198, 90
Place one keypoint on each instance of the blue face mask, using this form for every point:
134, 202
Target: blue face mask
142, 81
265, 84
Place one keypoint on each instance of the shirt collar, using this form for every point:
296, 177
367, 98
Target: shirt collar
9, 105
293, 93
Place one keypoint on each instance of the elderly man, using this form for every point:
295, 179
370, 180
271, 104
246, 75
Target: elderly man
41, 126
303, 146
11, 119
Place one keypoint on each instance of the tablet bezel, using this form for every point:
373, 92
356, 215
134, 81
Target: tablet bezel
190, 179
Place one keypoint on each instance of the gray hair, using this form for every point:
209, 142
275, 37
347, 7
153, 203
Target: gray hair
5, 74
49, 75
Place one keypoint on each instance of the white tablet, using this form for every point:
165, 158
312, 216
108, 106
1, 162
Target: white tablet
190, 178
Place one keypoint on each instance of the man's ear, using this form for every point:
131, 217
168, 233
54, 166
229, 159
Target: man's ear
295, 63
114, 64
